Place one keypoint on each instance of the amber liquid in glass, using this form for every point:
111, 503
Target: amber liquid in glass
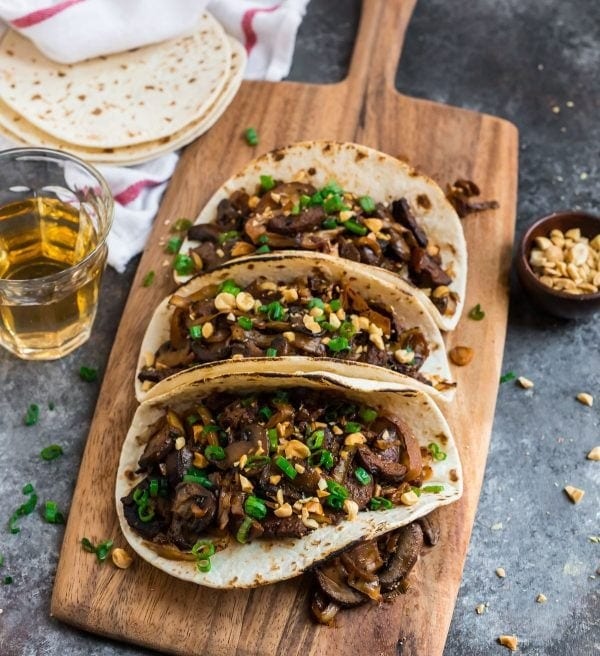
40, 237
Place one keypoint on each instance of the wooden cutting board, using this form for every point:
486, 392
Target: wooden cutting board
145, 606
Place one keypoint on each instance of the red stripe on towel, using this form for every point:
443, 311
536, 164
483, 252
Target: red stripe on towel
247, 28
130, 193
41, 15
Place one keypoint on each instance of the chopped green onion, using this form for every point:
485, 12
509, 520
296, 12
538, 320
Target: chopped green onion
32, 415
436, 453
335, 501
255, 507
145, 513
315, 441
338, 344
181, 224
51, 452
333, 487
304, 201
286, 467
183, 264
273, 439
332, 187
476, 313
25, 509
380, 503
140, 497
229, 286
51, 405
275, 311
190, 420
316, 199
173, 245
251, 136
226, 236
263, 249
433, 489
347, 330
153, 487
362, 476
330, 224
148, 279
271, 352
203, 565
1, 560
7, 580
295, 209
210, 428
335, 304
315, 302
213, 452
509, 375
204, 549
103, 549
266, 182
89, 374
367, 204
265, 413
87, 545
245, 323
195, 332
197, 476
263, 239
326, 459
52, 514
256, 461
357, 228
244, 530
368, 415
334, 204
352, 427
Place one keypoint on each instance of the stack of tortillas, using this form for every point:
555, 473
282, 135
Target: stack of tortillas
124, 108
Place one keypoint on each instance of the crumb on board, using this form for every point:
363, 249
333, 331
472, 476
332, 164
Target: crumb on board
574, 493
500, 572
509, 641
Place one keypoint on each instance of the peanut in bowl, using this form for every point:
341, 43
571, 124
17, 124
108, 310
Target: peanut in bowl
558, 264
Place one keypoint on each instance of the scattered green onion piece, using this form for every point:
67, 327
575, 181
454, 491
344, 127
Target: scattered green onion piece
362, 476
304, 201
1, 560
51, 452
338, 344
316, 199
229, 286
331, 187
51, 405
380, 503
213, 452
368, 415
204, 549
245, 323
295, 209
273, 439
256, 461
145, 513
32, 415
476, 313
367, 204
433, 489
243, 531
255, 507
190, 420
509, 375
173, 245
271, 352
275, 311
335, 204
281, 397
263, 239
265, 413
89, 374
266, 182
181, 224
333, 487
197, 476
226, 236
7, 580
140, 497
286, 467
263, 249
336, 502
315, 441
335, 304
183, 264
203, 565
52, 514
153, 487
352, 427
436, 453
149, 278
195, 332
347, 330
315, 302
356, 228
210, 428
251, 136
326, 459
417, 490
87, 545
103, 549
25, 509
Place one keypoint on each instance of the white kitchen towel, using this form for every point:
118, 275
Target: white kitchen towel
72, 30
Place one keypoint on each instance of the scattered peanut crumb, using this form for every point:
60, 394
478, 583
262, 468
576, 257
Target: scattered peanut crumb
585, 398
500, 572
556, 109
509, 641
461, 355
525, 383
574, 493
583, 175
570, 103
480, 609
498, 526
121, 558
594, 538
594, 454
541, 598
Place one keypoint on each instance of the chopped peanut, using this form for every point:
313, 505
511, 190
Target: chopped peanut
245, 484
244, 301
594, 454
509, 641
224, 301
409, 498
284, 510
121, 558
179, 443
207, 330
461, 355
585, 398
525, 383
199, 460
354, 439
296, 449
574, 493
500, 572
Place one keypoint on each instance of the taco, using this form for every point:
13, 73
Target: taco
343, 199
301, 307
235, 481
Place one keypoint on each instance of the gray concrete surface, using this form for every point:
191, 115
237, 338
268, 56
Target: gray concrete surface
511, 58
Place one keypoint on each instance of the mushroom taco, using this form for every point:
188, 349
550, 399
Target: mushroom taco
243, 480
345, 200
301, 307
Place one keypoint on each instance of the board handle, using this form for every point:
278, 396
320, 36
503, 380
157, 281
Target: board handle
378, 44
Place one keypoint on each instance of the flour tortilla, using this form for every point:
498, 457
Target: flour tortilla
362, 171
269, 561
121, 99
287, 268
17, 128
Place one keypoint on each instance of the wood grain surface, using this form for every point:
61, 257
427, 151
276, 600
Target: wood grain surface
145, 606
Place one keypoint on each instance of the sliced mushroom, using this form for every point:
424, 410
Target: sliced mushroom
323, 609
410, 542
388, 470
431, 529
193, 510
404, 216
331, 578
158, 447
292, 224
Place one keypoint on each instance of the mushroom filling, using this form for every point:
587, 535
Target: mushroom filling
311, 316
270, 464
298, 216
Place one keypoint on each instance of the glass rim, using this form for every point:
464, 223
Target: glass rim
91, 170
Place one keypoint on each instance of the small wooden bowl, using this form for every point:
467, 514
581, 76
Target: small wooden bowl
557, 303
